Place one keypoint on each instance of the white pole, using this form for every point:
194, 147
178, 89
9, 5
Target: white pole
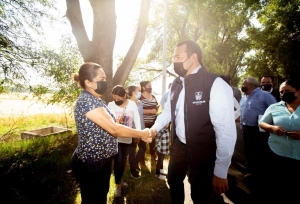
164, 76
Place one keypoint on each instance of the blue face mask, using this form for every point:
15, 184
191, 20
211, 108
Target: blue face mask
138, 95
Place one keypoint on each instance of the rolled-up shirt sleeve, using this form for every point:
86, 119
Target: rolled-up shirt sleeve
221, 110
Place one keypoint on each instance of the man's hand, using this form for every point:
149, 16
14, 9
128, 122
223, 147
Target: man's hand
220, 185
153, 132
147, 137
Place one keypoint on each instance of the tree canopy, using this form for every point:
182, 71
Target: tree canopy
231, 42
20, 23
277, 41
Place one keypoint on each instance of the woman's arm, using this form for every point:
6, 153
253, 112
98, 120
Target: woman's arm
272, 128
150, 111
102, 118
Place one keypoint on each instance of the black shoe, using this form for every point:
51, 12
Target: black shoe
134, 174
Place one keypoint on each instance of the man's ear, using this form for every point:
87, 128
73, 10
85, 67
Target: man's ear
194, 57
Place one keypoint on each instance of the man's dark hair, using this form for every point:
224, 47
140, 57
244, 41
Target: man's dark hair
269, 76
192, 47
226, 79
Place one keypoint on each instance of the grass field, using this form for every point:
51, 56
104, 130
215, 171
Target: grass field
39, 170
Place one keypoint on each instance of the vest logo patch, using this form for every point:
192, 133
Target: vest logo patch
198, 97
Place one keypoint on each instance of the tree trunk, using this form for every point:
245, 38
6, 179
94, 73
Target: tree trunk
100, 49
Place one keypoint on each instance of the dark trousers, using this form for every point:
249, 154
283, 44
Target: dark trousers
120, 161
200, 176
93, 178
160, 162
257, 153
257, 149
284, 179
132, 156
141, 152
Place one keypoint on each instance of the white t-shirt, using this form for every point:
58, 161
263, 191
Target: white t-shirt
131, 114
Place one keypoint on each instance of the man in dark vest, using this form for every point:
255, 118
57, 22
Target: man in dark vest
200, 106
266, 84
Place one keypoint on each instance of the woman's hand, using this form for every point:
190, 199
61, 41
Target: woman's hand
147, 135
295, 135
278, 130
120, 120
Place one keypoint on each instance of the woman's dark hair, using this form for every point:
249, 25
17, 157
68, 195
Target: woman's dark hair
130, 90
119, 91
192, 47
86, 71
143, 84
293, 83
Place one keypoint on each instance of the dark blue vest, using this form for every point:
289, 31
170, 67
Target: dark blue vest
199, 132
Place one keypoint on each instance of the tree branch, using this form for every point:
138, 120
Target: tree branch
130, 58
74, 16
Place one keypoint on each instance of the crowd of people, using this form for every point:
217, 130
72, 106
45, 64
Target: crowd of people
200, 115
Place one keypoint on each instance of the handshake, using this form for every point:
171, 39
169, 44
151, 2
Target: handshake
148, 134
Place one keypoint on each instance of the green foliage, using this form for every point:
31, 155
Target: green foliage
216, 26
20, 22
56, 69
141, 71
277, 42
36, 171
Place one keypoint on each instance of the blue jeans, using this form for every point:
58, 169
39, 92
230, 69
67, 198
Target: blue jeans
93, 178
120, 161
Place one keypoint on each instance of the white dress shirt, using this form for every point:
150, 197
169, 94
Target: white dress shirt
221, 111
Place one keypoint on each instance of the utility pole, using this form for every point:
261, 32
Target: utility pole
164, 76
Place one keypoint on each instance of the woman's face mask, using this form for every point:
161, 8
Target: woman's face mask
288, 97
120, 102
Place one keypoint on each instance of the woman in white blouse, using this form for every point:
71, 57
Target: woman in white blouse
127, 114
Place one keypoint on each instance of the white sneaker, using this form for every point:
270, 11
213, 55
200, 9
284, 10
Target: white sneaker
163, 172
118, 191
161, 177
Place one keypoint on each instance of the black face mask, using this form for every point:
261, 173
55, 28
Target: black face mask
266, 87
101, 87
118, 103
288, 97
244, 89
178, 68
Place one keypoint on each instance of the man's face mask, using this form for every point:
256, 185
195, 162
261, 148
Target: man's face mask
266, 87
244, 89
178, 68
